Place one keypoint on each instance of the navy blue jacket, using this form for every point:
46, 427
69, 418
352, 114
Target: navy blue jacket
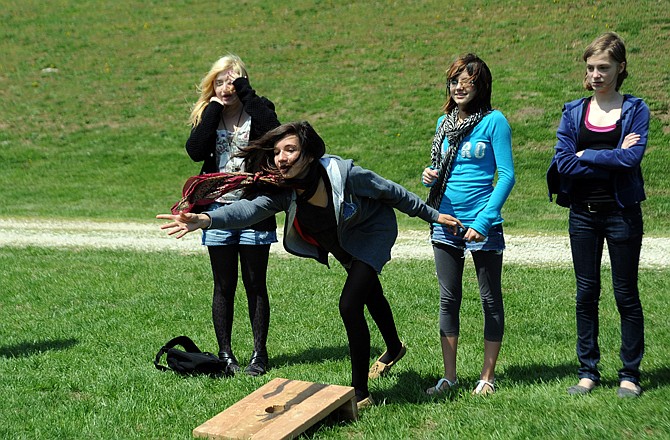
620, 166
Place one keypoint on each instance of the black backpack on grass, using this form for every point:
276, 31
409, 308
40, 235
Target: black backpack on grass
191, 362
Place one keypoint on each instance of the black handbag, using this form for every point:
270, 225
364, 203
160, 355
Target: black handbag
190, 362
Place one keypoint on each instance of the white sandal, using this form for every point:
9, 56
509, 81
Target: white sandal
481, 389
440, 388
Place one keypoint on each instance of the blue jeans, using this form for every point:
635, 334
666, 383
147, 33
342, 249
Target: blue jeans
227, 237
622, 228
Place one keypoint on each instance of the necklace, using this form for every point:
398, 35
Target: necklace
236, 126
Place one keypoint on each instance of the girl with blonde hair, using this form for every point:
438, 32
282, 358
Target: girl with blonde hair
226, 117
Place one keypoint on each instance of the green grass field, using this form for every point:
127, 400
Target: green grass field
78, 345
95, 97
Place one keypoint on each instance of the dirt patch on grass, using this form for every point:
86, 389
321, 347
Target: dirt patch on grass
147, 237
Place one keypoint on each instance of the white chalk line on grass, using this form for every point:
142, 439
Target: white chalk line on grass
542, 250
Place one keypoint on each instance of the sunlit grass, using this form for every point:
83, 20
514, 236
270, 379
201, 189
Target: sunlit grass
94, 117
95, 98
81, 328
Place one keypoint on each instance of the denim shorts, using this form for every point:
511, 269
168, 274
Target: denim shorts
495, 241
246, 236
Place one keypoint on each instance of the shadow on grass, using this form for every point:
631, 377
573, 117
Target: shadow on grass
312, 355
530, 374
658, 377
25, 349
651, 379
534, 373
410, 387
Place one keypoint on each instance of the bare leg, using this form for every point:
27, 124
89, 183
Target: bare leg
449, 348
491, 351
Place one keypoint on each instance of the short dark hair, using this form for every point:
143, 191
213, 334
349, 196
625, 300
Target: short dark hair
611, 44
480, 75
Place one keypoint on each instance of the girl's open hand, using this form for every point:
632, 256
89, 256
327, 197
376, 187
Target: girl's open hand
184, 222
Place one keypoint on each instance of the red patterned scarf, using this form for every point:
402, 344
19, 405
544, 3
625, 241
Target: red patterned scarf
206, 188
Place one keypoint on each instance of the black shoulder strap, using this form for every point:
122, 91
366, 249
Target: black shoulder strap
184, 341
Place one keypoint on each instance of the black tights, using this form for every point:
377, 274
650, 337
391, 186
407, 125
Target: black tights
254, 264
362, 288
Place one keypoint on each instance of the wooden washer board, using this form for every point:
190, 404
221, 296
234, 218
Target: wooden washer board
280, 409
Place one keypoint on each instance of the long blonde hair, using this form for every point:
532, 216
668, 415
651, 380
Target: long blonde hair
206, 87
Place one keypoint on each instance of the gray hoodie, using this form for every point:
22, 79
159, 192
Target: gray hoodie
363, 203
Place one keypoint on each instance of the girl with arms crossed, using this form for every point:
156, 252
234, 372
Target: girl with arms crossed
596, 173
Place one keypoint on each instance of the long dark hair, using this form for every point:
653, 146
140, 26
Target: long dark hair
479, 74
259, 154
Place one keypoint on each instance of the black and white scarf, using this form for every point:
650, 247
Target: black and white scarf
454, 132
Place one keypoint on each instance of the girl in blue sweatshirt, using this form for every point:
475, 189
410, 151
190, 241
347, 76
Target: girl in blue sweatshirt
472, 143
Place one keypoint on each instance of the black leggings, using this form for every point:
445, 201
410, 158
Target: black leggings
362, 288
254, 264
449, 262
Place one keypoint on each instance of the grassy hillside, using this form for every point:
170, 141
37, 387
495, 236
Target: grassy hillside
95, 95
